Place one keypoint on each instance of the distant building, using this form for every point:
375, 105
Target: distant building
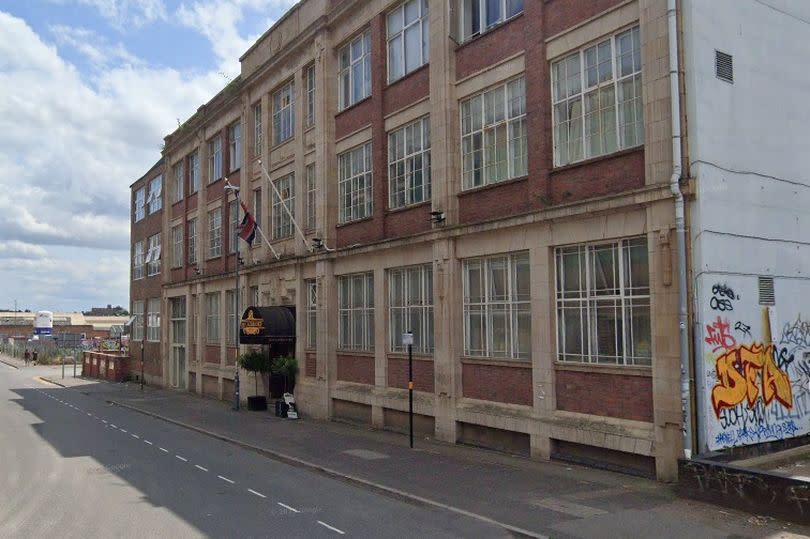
21, 324
109, 310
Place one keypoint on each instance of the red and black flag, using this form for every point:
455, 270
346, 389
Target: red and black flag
247, 230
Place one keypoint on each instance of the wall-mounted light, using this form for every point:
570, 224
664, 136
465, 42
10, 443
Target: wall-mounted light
437, 217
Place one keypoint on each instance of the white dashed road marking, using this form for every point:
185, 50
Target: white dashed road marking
200, 468
259, 494
226, 479
136, 436
148, 442
164, 450
325, 525
181, 458
287, 507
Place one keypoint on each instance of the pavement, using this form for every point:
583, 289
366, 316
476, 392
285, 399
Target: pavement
435, 489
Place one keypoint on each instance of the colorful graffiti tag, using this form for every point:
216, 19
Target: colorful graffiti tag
737, 373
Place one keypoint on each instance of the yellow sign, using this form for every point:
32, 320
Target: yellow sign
251, 325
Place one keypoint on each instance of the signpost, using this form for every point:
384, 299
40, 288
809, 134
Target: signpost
407, 340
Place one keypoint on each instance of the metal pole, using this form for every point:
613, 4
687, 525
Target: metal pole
410, 391
63, 367
236, 309
141, 365
74, 366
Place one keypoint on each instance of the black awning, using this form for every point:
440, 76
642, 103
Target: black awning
267, 325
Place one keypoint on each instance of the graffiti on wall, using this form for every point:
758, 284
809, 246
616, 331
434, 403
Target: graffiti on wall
758, 382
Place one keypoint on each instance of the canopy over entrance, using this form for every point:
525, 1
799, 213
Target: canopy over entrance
268, 325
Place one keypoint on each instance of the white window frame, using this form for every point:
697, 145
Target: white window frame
400, 31
311, 201
177, 246
193, 173
213, 333
192, 240
153, 255
311, 288
618, 120
138, 325
282, 222
155, 199
583, 301
484, 305
177, 319
284, 113
355, 181
153, 320
233, 226
140, 204
179, 181
215, 159
354, 59
408, 159
505, 6
215, 233
258, 134
356, 312
494, 138
410, 308
254, 296
235, 146
230, 316
309, 80
138, 256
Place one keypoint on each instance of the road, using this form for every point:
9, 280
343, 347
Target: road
74, 466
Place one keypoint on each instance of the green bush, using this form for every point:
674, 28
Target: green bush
286, 366
255, 362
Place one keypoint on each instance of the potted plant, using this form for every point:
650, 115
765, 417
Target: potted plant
255, 362
287, 367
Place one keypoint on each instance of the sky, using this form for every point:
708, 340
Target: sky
88, 91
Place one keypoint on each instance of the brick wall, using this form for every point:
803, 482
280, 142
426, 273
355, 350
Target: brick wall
562, 14
500, 383
359, 369
605, 394
599, 177
422, 373
496, 45
310, 364
212, 354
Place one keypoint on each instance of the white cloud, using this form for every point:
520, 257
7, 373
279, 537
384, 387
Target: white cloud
15, 249
124, 14
93, 46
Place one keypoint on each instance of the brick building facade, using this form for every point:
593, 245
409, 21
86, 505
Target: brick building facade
496, 182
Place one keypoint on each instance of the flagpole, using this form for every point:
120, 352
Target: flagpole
284, 204
235, 190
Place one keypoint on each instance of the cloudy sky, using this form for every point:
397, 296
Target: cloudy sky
88, 90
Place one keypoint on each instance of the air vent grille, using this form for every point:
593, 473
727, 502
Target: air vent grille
724, 66
766, 293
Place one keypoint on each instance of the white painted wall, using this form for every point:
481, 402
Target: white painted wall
749, 151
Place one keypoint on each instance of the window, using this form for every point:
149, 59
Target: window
214, 160
284, 113
138, 260
179, 182
354, 170
597, 99
282, 222
193, 173
478, 16
140, 203
356, 312
497, 312
408, 38
177, 314
192, 241
137, 326
410, 303
309, 76
215, 232
153, 256
233, 223
603, 303
177, 246
355, 71
155, 199
409, 164
311, 192
254, 296
257, 129
212, 318
235, 146
493, 142
153, 320
312, 312
230, 304
257, 206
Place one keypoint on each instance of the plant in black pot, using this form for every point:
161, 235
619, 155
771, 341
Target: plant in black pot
286, 366
255, 362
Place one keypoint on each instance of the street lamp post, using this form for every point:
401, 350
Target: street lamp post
235, 191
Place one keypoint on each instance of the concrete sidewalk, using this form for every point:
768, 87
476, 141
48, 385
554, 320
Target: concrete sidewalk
527, 497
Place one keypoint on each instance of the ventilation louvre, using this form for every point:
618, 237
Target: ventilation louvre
724, 66
766, 293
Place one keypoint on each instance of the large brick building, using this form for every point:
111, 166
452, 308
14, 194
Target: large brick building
493, 177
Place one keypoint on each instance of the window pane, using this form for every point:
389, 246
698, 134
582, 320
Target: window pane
521, 278
493, 12
395, 66
475, 287
606, 327
497, 276
604, 270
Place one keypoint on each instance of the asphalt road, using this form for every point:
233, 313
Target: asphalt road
74, 466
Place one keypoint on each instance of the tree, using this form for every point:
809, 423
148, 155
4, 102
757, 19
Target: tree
286, 366
255, 362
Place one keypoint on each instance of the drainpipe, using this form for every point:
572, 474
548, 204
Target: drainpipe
680, 226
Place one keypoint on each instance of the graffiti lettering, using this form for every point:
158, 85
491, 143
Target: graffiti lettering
737, 373
753, 435
796, 334
722, 297
719, 336
743, 328
783, 360
723, 290
721, 304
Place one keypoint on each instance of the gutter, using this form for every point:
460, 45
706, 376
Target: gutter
680, 228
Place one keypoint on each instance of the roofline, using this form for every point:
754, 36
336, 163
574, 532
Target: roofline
149, 172
270, 30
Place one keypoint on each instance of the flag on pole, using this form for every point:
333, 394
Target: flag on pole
247, 230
